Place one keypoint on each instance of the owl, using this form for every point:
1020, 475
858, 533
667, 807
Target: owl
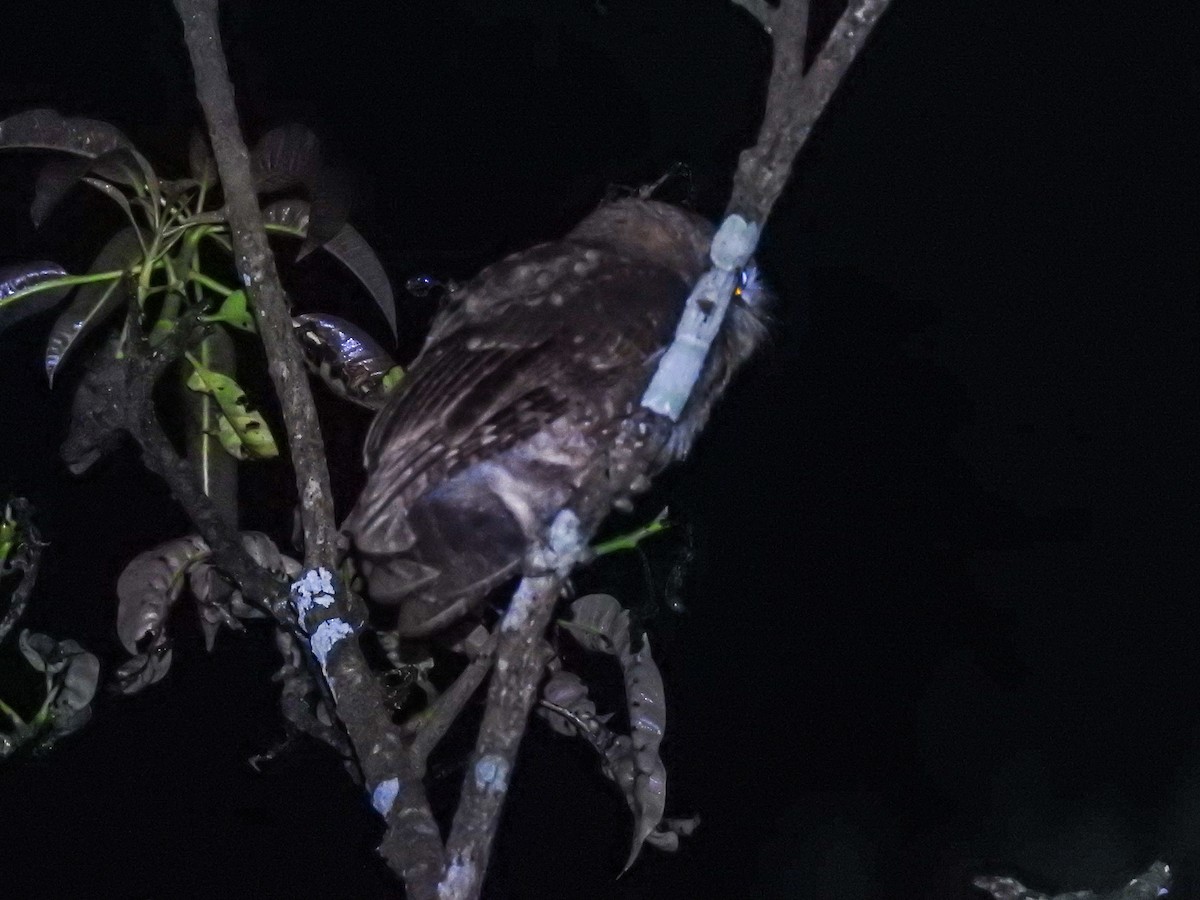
526, 401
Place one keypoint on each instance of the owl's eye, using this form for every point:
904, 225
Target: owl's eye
750, 289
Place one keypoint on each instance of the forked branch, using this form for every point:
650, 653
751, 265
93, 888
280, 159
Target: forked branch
796, 97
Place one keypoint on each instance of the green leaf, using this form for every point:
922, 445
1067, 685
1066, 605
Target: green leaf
392, 378
234, 312
242, 431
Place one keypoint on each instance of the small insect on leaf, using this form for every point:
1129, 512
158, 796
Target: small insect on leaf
242, 431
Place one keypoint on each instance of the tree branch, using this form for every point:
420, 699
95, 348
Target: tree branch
433, 724
795, 99
762, 11
522, 655
327, 612
256, 266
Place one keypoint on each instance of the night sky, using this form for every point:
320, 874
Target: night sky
942, 613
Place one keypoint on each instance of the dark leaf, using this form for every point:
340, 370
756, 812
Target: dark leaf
212, 617
286, 157
54, 182
46, 129
599, 623
347, 246
174, 187
38, 650
144, 669
77, 683
151, 584
352, 250
648, 721
200, 159
97, 409
59, 176
290, 215
264, 552
73, 674
330, 210
213, 593
19, 296
347, 358
93, 303
113, 193
218, 599
69, 722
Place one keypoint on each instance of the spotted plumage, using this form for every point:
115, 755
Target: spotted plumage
526, 400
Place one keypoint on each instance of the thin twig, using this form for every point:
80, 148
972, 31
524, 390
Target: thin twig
521, 657
432, 725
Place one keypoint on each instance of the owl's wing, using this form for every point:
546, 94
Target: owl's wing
561, 331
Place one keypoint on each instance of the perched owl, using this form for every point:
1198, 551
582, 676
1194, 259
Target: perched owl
526, 400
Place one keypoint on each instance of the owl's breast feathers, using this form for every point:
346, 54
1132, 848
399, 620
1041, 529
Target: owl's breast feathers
525, 400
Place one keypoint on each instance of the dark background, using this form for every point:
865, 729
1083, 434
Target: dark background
944, 614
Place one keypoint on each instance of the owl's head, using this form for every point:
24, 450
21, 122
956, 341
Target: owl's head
679, 240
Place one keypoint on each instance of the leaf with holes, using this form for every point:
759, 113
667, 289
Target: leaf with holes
242, 431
